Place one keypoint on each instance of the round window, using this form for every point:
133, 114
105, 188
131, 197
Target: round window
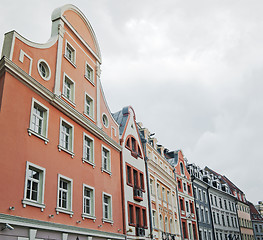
43, 69
105, 120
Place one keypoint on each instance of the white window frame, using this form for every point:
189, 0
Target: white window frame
91, 161
108, 159
91, 115
30, 130
110, 218
47, 68
67, 210
73, 59
41, 187
71, 144
92, 73
92, 214
71, 99
104, 115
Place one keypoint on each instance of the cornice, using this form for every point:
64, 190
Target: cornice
7, 65
32, 223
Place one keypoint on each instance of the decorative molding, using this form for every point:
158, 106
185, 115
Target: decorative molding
32, 223
10, 67
21, 59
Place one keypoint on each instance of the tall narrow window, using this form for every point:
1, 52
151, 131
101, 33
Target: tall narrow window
88, 149
129, 177
88, 202
89, 106
66, 136
69, 88
39, 120
34, 186
141, 181
131, 215
70, 53
107, 207
106, 160
135, 178
144, 221
89, 73
64, 201
182, 168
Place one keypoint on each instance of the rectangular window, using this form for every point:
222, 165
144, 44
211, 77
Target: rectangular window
141, 181
64, 198
189, 189
168, 197
107, 207
182, 204
154, 218
88, 149
129, 176
158, 191
131, 214
151, 186
200, 194
34, 186
106, 165
163, 194
39, 120
179, 184
89, 106
70, 53
69, 88
66, 136
184, 230
89, 73
144, 221
135, 178
88, 201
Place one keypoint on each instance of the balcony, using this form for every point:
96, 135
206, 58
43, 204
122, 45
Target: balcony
137, 194
168, 236
140, 232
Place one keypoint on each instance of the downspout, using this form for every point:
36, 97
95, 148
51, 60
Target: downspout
211, 216
148, 187
197, 222
122, 195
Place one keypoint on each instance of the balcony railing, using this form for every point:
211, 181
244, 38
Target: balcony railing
140, 231
137, 194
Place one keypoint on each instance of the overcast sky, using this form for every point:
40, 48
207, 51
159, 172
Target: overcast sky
192, 71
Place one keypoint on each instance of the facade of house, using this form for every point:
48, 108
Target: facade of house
163, 190
185, 195
223, 207
134, 181
60, 146
259, 207
202, 204
257, 222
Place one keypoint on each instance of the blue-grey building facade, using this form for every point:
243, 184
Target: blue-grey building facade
202, 206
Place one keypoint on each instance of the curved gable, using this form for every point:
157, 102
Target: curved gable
76, 19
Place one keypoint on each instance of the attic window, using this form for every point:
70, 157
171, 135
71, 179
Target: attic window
133, 146
128, 143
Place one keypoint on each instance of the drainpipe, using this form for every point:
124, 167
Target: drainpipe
197, 222
238, 222
144, 141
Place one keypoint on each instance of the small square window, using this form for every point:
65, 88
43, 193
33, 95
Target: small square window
70, 53
64, 198
69, 89
106, 165
89, 106
34, 186
88, 149
88, 202
107, 207
66, 137
39, 120
89, 73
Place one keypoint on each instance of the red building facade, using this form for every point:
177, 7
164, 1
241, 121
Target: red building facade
60, 144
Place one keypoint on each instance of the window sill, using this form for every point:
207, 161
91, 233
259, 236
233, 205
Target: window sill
65, 150
34, 204
66, 211
72, 63
106, 171
89, 80
84, 160
90, 117
30, 132
84, 215
106, 220
68, 100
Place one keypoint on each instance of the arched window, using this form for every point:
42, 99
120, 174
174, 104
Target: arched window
166, 225
128, 143
171, 226
182, 168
